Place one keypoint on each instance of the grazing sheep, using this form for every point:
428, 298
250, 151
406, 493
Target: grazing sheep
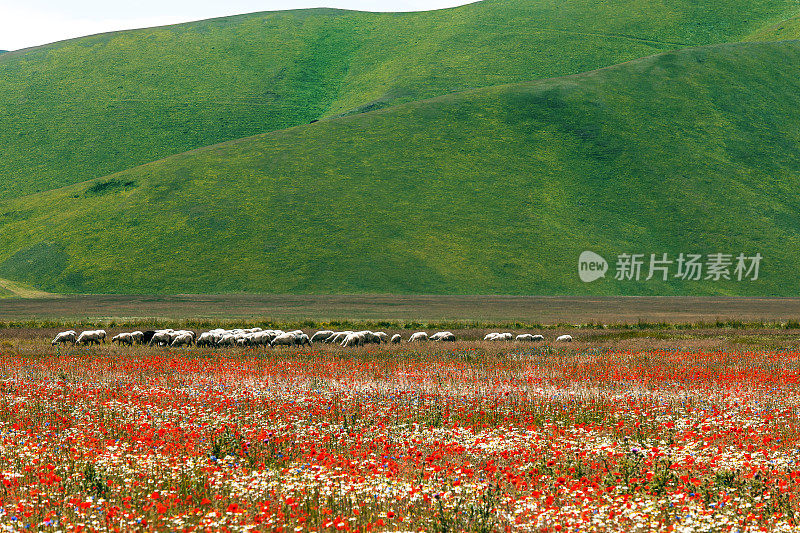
86, 337
161, 338
354, 339
92, 336
498, 337
382, 336
262, 338
338, 337
259, 338
137, 336
321, 336
490, 336
302, 340
227, 339
527, 337
286, 339
445, 336
147, 336
396, 338
65, 336
205, 339
368, 337
564, 338
182, 340
175, 334
419, 336
123, 338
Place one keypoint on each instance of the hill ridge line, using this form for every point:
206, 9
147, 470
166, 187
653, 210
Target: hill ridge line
166, 90
615, 36
226, 17
413, 103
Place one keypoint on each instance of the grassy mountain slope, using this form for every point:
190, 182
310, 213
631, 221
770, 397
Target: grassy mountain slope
12, 289
785, 30
495, 190
88, 107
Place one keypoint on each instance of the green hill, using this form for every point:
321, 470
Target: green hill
12, 289
88, 107
784, 30
493, 190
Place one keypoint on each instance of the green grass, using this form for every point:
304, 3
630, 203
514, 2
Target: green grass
785, 30
13, 289
85, 108
490, 191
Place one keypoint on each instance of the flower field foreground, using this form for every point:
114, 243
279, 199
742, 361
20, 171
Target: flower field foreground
467, 438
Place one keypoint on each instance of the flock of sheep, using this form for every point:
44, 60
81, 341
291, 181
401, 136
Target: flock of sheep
271, 337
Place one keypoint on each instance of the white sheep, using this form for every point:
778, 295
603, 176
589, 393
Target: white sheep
527, 337
286, 339
161, 338
65, 336
396, 338
137, 336
260, 338
179, 333
369, 337
92, 336
338, 337
227, 339
321, 335
419, 336
564, 338
185, 339
122, 338
354, 339
205, 339
444, 336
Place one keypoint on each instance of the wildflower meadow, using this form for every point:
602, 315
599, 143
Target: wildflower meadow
464, 437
